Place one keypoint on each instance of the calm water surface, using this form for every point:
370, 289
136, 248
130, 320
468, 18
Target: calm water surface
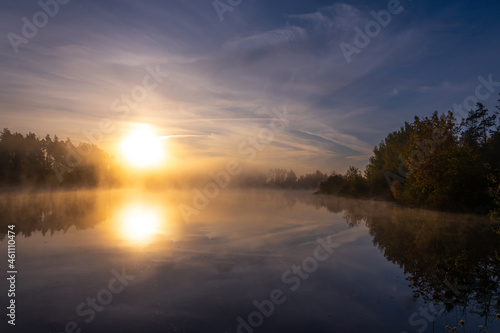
251, 261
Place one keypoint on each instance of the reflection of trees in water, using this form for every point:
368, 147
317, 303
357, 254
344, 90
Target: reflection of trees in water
49, 212
354, 211
449, 259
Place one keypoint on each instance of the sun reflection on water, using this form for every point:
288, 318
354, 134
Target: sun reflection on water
140, 224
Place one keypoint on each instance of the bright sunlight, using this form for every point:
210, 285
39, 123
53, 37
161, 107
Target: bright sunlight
139, 223
142, 148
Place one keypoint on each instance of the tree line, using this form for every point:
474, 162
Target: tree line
287, 179
27, 160
434, 162
279, 178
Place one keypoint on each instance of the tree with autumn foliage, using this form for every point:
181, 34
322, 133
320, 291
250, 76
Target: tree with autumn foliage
439, 163
442, 171
386, 165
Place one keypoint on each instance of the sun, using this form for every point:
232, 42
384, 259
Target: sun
142, 148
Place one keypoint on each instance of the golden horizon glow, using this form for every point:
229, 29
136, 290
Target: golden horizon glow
142, 148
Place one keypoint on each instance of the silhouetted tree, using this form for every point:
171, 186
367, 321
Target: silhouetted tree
352, 184
477, 126
290, 180
311, 180
28, 160
283, 178
356, 185
334, 184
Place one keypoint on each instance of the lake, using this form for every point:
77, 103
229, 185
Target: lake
244, 261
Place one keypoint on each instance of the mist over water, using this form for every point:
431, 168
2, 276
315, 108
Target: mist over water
205, 273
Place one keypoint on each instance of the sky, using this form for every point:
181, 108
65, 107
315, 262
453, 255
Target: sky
336, 77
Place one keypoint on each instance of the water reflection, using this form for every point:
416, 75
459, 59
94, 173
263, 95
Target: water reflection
449, 259
139, 223
131, 216
51, 212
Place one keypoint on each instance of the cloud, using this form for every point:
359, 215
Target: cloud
334, 18
225, 77
78, 79
265, 40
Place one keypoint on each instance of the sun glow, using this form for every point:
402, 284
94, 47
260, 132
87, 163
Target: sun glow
142, 148
140, 224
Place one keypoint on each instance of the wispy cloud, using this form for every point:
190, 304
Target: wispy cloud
224, 77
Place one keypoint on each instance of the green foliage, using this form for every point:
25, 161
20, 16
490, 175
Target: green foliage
433, 162
387, 158
442, 172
